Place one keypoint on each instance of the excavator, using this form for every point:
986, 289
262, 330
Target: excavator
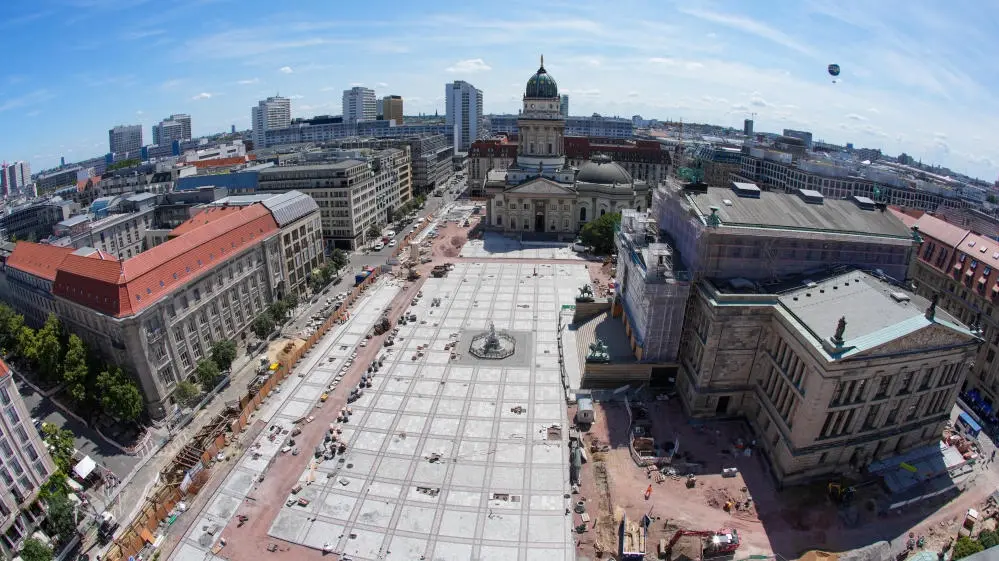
714, 544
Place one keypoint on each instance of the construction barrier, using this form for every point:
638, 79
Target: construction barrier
161, 501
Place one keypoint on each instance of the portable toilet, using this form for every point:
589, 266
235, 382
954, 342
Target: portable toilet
584, 411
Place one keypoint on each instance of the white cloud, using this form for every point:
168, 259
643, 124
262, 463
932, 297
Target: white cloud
357, 84
382, 85
140, 112
285, 70
202, 95
633, 94
593, 92
856, 117
249, 81
758, 101
296, 96
469, 66
873, 110
748, 25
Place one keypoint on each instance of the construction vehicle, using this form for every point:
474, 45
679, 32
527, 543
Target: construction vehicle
713, 544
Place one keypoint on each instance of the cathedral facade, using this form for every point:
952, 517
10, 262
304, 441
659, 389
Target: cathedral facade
540, 192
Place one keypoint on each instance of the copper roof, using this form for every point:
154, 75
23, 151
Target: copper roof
40, 260
122, 288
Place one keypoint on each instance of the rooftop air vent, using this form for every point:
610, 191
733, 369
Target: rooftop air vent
863, 202
746, 190
811, 196
809, 283
900, 297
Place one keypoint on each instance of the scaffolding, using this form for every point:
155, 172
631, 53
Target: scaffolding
653, 286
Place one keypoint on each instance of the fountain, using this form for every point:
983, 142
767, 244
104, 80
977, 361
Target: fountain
492, 344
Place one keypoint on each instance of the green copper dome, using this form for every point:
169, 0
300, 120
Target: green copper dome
542, 84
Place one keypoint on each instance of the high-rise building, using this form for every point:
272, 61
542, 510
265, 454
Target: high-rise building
359, 104
747, 127
26, 464
15, 177
464, 113
803, 136
563, 106
125, 139
392, 108
271, 113
174, 127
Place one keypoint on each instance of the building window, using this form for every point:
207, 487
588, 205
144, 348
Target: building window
582, 214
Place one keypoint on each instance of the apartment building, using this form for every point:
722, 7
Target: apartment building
125, 140
352, 195
297, 214
594, 126
120, 232
781, 170
430, 155
25, 464
269, 114
833, 371
392, 109
26, 280
50, 181
158, 313
15, 178
322, 130
961, 269
34, 220
463, 105
359, 105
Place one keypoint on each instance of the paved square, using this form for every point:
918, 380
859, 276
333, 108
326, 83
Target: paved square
451, 459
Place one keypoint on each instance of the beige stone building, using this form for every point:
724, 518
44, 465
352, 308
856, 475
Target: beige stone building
832, 372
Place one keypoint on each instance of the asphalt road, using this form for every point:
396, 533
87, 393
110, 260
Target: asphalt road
87, 441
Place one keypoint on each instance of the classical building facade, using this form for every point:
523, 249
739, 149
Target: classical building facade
539, 192
832, 372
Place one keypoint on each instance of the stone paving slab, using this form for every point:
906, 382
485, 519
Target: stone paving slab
452, 459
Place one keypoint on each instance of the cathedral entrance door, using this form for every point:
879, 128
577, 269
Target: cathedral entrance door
539, 222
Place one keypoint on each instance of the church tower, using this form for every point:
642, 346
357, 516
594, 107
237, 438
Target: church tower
541, 126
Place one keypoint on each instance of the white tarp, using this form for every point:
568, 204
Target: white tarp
85, 467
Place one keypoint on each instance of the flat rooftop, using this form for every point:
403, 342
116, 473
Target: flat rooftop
875, 311
785, 210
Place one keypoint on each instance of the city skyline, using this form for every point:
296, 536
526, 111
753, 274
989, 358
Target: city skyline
915, 79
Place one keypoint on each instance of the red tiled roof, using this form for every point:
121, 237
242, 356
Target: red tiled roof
905, 217
4, 370
40, 260
82, 184
941, 230
204, 217
122, 288
223, 162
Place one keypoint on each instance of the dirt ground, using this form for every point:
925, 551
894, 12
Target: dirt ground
787, 522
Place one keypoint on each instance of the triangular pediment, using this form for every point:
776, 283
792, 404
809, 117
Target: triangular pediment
932, 336
541, 186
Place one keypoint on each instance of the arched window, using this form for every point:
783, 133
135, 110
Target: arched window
603, 211
582, 214
499, 220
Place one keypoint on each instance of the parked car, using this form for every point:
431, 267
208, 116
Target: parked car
392, 243
379, 246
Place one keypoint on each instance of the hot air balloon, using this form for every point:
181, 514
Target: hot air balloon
834, 70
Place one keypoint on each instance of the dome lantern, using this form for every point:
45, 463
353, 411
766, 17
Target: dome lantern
541, 84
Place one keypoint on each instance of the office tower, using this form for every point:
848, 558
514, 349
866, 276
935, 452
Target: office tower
15, 177
464, 113
359, 105
174, 127
271, 113
392, 108
747, 127
125, 139
564, 105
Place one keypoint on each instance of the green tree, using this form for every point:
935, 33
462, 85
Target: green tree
27, 347
223, 353
75, 370
187, 393
291, 300
965, 546
278, 310
263, 325
991, 199
56, 484
60, 445
59, 517
599, 233
48, 348
374, 232
988, 538
339, 258
35, 550
10, 327
207, 373
120, 397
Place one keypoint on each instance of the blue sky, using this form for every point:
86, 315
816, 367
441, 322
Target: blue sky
917, 76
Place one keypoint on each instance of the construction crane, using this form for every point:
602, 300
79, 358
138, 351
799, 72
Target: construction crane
717, 543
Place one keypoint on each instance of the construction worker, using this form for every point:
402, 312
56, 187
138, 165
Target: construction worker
648, 492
